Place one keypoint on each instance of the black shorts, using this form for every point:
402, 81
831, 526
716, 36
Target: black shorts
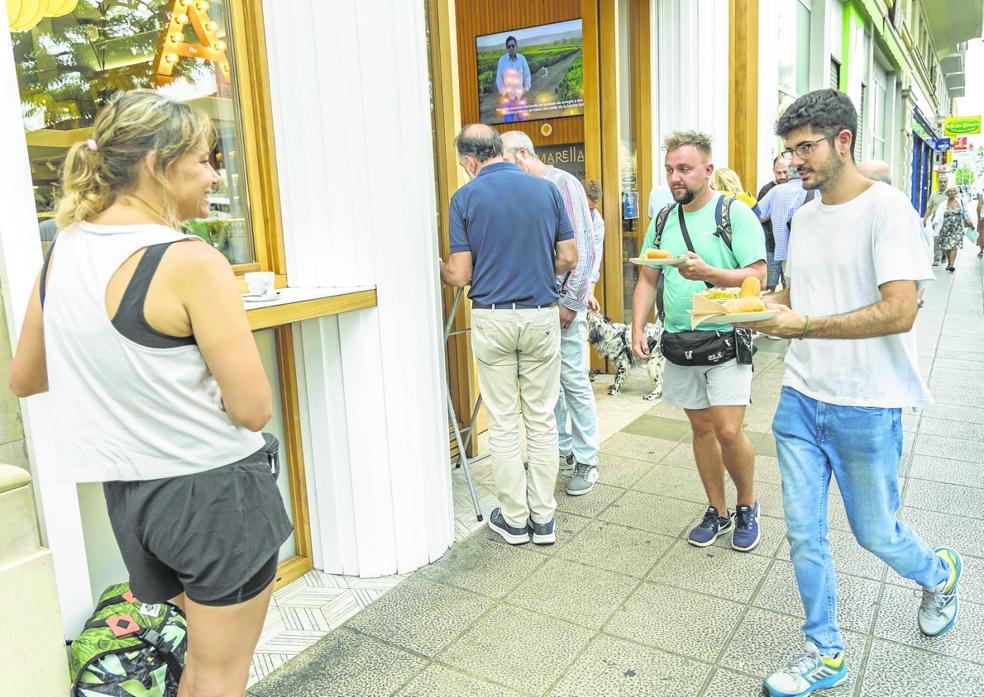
209, 535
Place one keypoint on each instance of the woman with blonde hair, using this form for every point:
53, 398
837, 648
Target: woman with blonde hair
727, 181
139, 335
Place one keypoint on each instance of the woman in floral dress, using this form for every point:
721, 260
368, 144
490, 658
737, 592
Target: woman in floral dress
950, 220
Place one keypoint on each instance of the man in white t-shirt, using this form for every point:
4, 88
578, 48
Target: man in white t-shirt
853, 270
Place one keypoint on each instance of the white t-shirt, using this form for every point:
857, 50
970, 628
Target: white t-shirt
838, 256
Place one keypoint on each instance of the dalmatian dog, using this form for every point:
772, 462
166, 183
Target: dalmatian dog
613, 341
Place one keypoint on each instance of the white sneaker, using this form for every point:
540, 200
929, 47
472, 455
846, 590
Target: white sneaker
583, 480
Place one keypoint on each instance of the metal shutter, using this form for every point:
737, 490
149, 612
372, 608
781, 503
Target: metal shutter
860, 134
835, 74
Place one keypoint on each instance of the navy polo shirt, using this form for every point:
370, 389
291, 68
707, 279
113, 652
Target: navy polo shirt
510, 221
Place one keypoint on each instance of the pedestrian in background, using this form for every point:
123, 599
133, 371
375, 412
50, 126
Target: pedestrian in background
578, 454
774, 269
854, 267
138, 333
949, 221
592, 189
510, 237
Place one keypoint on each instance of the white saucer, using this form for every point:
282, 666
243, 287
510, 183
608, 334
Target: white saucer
258, 298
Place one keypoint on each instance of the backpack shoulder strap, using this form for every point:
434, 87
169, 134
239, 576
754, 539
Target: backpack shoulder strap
722, 216
810, 195
661, 223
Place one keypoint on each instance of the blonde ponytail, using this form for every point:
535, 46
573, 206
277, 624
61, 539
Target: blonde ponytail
135, 123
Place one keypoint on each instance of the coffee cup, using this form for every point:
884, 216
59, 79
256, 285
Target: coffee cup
259, 282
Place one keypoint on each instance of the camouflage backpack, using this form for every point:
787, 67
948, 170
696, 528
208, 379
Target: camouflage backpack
129, 648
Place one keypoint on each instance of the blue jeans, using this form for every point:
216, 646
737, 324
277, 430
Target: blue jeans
861, 446
773, 269
576, 396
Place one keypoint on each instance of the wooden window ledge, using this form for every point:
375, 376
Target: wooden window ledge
296, 304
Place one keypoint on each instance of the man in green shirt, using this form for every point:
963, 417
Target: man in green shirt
714, 392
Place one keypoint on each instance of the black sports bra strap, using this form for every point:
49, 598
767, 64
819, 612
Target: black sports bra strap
43, 280
129, 319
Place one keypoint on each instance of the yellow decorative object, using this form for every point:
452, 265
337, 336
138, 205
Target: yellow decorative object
60, 8
25, 14
172, 44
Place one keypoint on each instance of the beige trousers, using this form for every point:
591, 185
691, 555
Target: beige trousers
518, 357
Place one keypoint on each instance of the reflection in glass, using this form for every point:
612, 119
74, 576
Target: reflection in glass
68, 66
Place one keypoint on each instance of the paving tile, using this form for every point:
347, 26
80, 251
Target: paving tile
636, 509
897, 621
616, 548
957, 397
950, 429
950, 471
616, 470
587, 505
637, 447
659, 427
612, 666
421, 616
566, 526
941, 530
857, 597
485, 566
765, 640
442, 681
944, 498
674, 482
953, 412
676, 620
342, 664
573, 592
924, 674
724, 573
728, 683
484, 652
764, 443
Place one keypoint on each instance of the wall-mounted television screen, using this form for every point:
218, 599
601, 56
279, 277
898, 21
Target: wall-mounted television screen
531, 73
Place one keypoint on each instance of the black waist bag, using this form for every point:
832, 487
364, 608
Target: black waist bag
698, 348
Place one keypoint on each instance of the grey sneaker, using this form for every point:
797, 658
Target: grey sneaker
543, 533
938, 609
583, 480
514, 536
567, 464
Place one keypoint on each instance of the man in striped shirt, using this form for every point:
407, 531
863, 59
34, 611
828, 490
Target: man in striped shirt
778, 207
578, 444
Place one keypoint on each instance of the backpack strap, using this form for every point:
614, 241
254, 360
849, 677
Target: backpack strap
661, 223
722, 216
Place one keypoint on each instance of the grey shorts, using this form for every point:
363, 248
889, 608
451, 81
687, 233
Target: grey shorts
700, 387
207, 535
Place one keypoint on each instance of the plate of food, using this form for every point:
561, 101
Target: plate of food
655, 258
724, 309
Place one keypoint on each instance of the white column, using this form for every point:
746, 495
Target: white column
20, 260
768, 91
356, 167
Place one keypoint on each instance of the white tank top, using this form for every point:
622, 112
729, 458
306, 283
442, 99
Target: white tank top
125, 411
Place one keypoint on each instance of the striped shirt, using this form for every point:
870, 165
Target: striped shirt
779, 205
575, 286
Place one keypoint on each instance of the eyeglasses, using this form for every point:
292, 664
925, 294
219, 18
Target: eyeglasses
804, 150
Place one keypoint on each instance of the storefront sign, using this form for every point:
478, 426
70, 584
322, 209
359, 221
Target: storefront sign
960, 144
942, 144
961, 125
568, 157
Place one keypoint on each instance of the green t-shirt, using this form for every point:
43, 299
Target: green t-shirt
748, 242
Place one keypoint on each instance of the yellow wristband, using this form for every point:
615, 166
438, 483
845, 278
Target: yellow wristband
806, 327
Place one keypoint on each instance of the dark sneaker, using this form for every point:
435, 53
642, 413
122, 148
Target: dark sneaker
583, 480
806, 672
543, 533
567, 464
514, 536
747, 533
938, 609
710, 528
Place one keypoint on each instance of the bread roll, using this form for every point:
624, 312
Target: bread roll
750, 288
743, 305
657, 254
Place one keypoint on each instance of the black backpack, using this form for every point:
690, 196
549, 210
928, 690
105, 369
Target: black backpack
722, 218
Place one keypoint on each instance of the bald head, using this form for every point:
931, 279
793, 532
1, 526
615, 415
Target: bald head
479, 141
877, 170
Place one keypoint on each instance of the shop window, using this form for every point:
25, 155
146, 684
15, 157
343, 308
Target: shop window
69, 65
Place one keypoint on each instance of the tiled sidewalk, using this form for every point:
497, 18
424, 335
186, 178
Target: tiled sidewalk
622, 605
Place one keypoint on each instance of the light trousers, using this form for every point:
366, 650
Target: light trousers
518, 357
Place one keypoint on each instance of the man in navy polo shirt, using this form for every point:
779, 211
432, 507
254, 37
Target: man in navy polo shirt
510, 238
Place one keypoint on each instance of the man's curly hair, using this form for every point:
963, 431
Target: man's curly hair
827, 111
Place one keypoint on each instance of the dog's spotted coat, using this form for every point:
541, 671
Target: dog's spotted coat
613, 341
